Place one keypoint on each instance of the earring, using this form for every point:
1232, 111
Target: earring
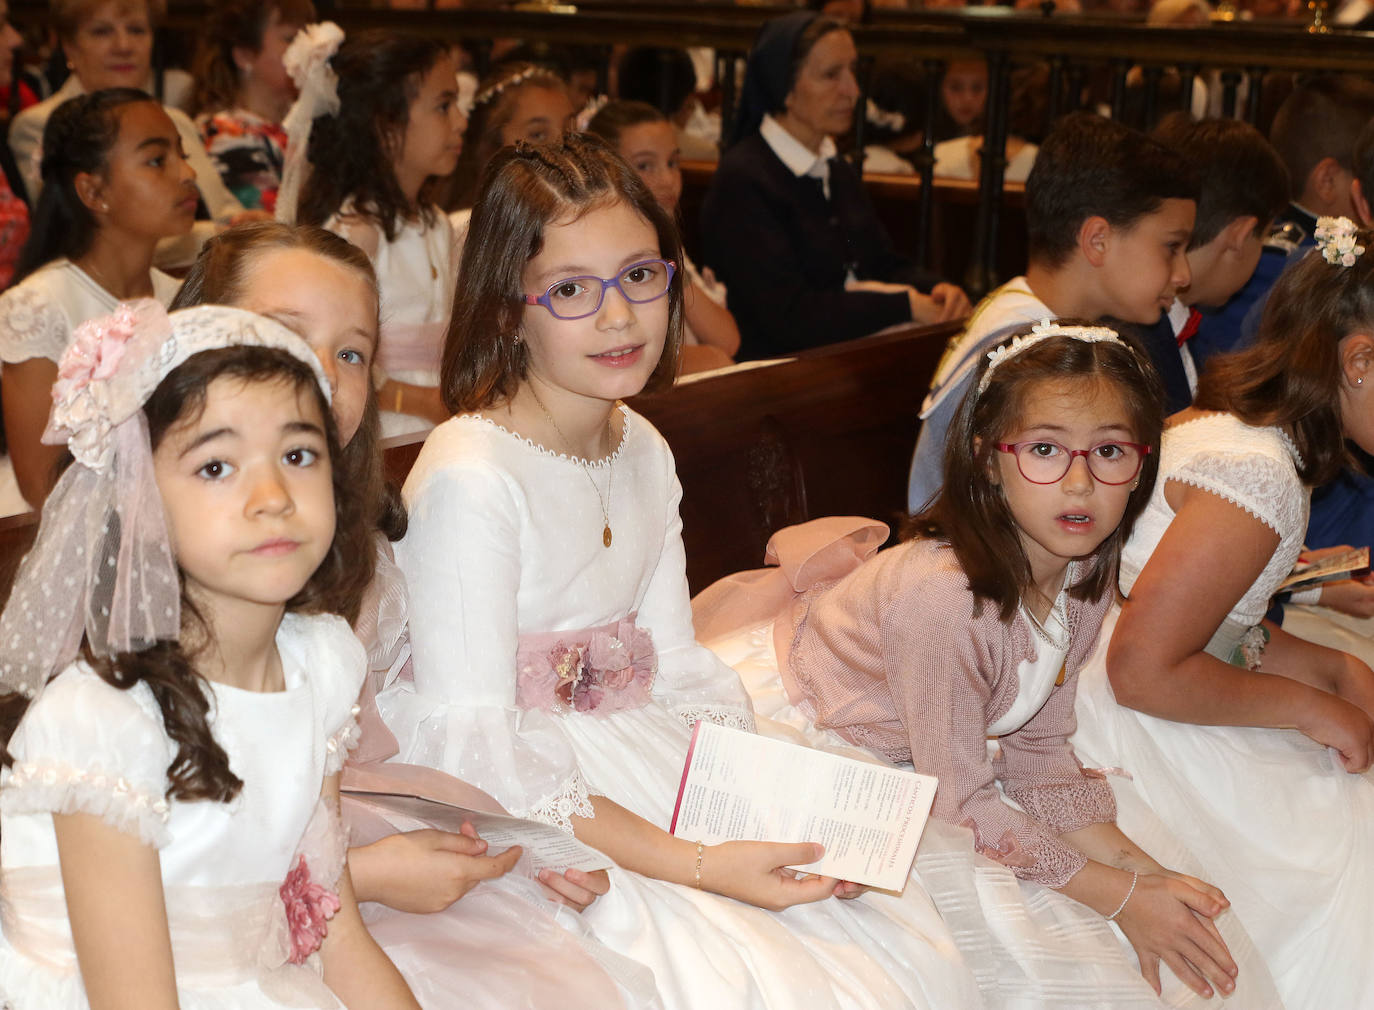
1359, 381
105, 207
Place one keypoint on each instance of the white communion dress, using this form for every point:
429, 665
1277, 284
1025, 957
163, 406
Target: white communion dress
1030, 946
1279, 826
87, 747
504, 945
550, 668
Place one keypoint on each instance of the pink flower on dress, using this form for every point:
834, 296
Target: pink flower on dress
309, 906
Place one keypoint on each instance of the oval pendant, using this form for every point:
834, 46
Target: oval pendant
606, 535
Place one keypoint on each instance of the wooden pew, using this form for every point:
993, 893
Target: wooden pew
829, 432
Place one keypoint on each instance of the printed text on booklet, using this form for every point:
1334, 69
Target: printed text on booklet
739, 786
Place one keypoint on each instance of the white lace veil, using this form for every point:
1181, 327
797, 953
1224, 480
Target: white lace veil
307, 61
102, 565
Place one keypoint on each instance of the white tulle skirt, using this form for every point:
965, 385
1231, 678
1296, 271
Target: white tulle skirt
1027, 945
1272, 818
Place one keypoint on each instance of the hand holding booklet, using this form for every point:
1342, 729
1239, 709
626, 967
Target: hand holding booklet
739, 786
1341, 565
544, 845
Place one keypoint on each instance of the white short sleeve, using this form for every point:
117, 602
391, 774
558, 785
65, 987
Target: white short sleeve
325, 650
87, 747
32, 325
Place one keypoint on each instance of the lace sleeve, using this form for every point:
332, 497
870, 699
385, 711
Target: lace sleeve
1263, 485
87, 747
31, 325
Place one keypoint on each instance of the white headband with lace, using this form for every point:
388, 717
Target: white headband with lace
1336, 240
1040, 332
102, 564
307, 61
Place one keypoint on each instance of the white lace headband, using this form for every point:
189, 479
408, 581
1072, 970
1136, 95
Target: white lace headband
102, 564
1039, 333
307, 61
1336, 240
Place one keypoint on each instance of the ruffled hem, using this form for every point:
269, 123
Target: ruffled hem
35, 788
343, 740
558, 810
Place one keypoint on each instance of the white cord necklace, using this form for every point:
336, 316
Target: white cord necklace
605, 502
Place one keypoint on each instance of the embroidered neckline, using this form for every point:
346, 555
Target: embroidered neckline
543, 450
1284, 437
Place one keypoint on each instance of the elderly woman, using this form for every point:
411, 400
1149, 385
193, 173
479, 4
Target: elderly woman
787, 225
109, 44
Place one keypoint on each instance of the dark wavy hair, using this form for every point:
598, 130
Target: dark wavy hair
230, 25
76, 141
524, 189
217, 278
351, 153
971, 512
200, 769
1291, 376
493, 108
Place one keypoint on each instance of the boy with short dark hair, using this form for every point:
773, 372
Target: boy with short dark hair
1314, 133
1244, 186
1108, 213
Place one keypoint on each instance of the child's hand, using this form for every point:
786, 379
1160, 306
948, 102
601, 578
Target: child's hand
425, 871
575, 888
757, 872
1349, 596
1345, 727
847, 889
1169, 919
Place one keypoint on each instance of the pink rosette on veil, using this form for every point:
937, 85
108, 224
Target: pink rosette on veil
594, 670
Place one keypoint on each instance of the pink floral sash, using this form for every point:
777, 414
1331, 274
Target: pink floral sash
595, 670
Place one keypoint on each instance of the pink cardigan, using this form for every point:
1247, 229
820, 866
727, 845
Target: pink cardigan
895, 657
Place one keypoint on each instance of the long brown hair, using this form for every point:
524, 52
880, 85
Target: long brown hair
971, 512
1291, 376
525, 189
218, 277
200, 768
352, 152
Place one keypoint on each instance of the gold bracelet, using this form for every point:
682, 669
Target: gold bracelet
400, 391
700, 849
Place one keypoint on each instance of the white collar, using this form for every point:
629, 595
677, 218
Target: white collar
799, 159
1178, 315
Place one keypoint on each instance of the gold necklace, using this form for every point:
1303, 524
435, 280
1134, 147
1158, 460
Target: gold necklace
605, 502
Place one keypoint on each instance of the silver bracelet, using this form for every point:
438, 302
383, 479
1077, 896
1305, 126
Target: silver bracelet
1135, 877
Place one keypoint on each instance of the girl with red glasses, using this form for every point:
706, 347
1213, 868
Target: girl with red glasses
958, 652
